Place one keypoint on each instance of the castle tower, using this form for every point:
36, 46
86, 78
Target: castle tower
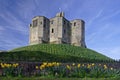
78, 33
39, 30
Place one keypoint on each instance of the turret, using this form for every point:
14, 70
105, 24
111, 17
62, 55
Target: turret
78, 32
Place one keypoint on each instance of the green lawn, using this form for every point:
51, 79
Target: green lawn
39, 78
53, 52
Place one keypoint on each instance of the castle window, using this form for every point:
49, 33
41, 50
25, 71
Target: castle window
30, 25
35, 23
44, 20
64, 22
74, 23
52, 22
41, 22
52, 30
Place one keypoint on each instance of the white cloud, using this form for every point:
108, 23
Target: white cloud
110, 15
14, 22
96, 17
26, 8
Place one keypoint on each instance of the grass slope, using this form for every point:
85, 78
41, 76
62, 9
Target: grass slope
54, 52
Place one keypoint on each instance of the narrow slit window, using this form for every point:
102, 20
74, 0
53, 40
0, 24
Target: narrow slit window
52, 30
74, 23
40, 22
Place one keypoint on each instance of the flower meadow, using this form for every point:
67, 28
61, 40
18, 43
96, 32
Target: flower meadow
59, 70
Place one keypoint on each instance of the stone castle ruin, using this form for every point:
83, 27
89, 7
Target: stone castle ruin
57, 30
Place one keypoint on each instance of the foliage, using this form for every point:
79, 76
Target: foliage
10, 69
62, 70
77, 70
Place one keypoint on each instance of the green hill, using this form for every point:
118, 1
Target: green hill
53, 52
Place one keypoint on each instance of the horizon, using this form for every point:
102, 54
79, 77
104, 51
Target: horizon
101, 21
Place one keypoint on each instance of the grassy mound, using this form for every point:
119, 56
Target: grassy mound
53, 52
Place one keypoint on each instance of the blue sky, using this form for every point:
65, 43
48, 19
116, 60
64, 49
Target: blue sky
102, 19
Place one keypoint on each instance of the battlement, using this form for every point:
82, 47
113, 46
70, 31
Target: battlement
57, 30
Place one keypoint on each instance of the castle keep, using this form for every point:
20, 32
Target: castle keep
57, 30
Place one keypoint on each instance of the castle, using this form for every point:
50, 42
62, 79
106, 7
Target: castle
57, 30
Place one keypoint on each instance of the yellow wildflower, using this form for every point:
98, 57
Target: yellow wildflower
73, 64
68, 67
8, 65
44, 63
111, 68
42, 67
54, 63
36, 67
2, 66
78, 66
49, 65
17, 64
57, 64
93, 64
105, 66
88, 66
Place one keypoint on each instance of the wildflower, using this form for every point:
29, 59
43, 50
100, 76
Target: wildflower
68, 67
111, 68
57, 64
82, 64
49, 65
105, 66
78, 66
54, 63
1, 63
99, 64
45, 63
17, 64
42, 67
2, 66
93, 64
73, 64
8, 65
5, 64
88, 66
36, 67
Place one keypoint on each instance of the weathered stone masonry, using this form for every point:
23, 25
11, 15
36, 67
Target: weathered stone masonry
57, 30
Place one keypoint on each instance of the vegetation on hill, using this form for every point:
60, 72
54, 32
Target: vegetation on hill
53, 52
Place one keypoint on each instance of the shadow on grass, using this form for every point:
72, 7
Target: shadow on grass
38, 56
